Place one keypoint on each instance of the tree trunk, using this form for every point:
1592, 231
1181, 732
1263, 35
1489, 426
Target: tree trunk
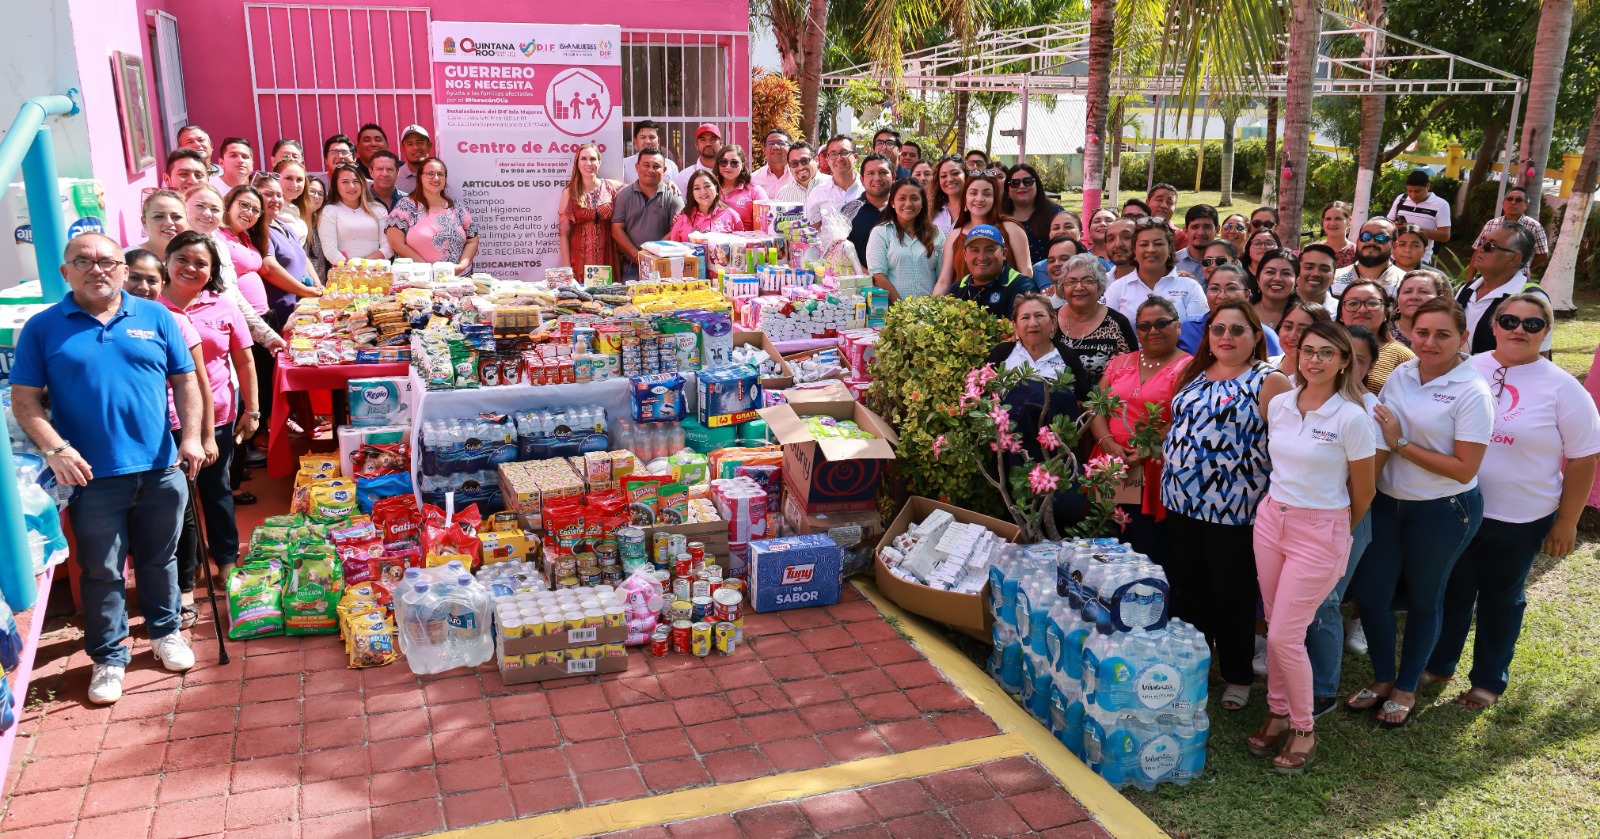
789, 34
963, 112
1269, 183
1559, 276
1494, 139
1114, 179
1305, 28
1229, 125
1372, 107
811, 72
1549, 56
1102, 25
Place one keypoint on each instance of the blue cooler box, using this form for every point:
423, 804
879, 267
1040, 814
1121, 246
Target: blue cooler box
794, 572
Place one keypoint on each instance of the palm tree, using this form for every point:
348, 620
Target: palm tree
811, 74
1559, 276
1549, 56
1102, 22
1372, 107
1229, 107
1305, 29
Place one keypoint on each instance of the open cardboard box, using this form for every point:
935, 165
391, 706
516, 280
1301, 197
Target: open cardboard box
830, 474
785, 378
713, 534
968, 613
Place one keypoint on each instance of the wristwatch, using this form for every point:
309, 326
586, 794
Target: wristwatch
1400, 445
255, 415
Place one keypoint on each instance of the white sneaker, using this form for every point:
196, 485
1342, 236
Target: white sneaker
173, 652
1355, 638
105, 685
1259, 663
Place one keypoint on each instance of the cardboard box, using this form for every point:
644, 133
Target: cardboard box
829, 390
794, 572
831, 474
572, 637
850, 530
782, 381
670, 267
713, 534
543, 672
968, 613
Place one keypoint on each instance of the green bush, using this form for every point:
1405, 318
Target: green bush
1331, 180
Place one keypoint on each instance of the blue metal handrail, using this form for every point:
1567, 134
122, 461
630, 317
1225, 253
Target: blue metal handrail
29, 145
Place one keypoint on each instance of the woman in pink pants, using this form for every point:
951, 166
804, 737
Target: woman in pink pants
1321, 442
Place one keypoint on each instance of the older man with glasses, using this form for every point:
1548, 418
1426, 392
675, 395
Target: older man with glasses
1513, 212
1498, 261
106, 358
774, 176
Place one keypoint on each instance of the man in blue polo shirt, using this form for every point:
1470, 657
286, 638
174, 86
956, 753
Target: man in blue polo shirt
991, 283
106, 358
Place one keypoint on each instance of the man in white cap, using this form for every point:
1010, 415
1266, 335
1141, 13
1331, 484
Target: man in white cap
415, 147
708, 141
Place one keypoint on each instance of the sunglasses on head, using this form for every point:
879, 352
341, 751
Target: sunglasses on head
1155, 326
1235, 329
1263, 224
1532, 326
1380, 238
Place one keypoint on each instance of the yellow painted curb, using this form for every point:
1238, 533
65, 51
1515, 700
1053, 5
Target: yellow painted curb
1114, 812
728, 798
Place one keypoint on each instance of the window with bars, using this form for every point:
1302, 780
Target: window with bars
681, 80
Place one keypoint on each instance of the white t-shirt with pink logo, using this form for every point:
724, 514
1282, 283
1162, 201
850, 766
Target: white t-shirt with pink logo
1543, 417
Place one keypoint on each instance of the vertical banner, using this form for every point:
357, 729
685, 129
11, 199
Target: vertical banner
512, 103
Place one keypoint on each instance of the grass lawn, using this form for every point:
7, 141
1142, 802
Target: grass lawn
1243, 202
1530, 766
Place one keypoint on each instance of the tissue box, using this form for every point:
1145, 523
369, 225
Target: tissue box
384, 401
728, 395
794, 572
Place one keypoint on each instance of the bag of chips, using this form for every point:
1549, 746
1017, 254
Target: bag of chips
255, 600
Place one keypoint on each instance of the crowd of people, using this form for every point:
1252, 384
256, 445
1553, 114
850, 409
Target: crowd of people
1334, 421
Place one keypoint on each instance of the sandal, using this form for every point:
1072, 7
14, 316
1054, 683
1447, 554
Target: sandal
1264, 743
1364, 700
1291, 761
1477, 699
1391, 707
1235, 697
187, 615
1429, 680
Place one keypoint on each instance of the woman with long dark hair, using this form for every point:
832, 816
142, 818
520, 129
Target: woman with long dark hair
733, 178
430, 226
350, 224
1025, 203
903, 250
1274, 281
946, 192
981, 205
244, 230
703, 209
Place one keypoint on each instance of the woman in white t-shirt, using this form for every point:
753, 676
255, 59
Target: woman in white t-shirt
350, 225
1436, 416
1543, 417
1321, 444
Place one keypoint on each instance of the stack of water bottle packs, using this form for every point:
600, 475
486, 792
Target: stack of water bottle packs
463, 455
1083, 637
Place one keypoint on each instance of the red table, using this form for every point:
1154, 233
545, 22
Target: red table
289, 378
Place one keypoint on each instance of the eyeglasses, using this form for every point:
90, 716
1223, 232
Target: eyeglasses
266, 176
1235, 227
1078, 281
841, 154
1532, 326
84, 264
246, 208
777, 144
1214, 261
1498, 384
984, 173
1380, 238
1022, 183
1237, 330
1490, 247
885, 144
1263, 224
1155, 326
1516, 199
1325, 354
1225, 289
802, 162
1358, 305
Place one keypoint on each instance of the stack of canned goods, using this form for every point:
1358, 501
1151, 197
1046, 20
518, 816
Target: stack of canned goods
553, 613
504, 578
702, 622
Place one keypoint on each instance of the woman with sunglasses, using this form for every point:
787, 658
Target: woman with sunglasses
704, 212
1025, 203
903, 250
1215, 471
1148, 375
1296, 320
1322, 447
1535, 479
1220, 252
1275, 280
1336, 233
1235, 229
1094, 330
1436, 416
947, 192
980, 205
1366, 303
1264, 218
1409, 246
733, 172
1416, 288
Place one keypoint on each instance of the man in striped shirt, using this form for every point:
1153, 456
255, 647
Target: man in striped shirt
1511, 208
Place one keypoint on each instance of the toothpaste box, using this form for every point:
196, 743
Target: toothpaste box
794, 572
728, 395
385, 401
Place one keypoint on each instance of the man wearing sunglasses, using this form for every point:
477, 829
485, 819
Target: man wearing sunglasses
1200, 225
1498, 260
1418, 205
802, 173
774, 176
1374, 258
1512, 214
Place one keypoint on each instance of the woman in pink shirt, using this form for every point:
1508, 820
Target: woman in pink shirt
193, 280
245, 233
704, 212
733, 172
429, 226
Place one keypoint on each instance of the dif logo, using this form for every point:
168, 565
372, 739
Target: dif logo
796, 575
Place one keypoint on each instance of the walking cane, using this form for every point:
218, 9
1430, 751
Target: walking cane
205, 562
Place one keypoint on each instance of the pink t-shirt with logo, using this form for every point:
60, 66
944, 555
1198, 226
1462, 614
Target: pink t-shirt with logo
247, 263
222, 329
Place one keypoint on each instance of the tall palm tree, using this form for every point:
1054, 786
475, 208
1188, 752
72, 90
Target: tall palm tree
1549, 57
1372, 108
1305, 29
811, 74
1560, 275
1102, 22
1229, 108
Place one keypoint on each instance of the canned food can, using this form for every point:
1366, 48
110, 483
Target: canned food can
682, 589
511, 662
574, 619
555, 623
630, 541
556, 656
594, 618
660, 642
726, 641
512, 627
682, 608
701, 639
589, 577
714, 573
662, 576
567, 582
729, 603
615, 616
702, 608
677, 543
681, 630
615, 651
700, 588
738, 629
566, 566
611, 574
683, 565
594, 651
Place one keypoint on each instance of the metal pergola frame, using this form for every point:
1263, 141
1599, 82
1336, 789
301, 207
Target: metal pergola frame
1051, 59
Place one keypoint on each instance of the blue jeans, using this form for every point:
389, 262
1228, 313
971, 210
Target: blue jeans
113, 517
1490, 574
1419, 541
1325, 636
